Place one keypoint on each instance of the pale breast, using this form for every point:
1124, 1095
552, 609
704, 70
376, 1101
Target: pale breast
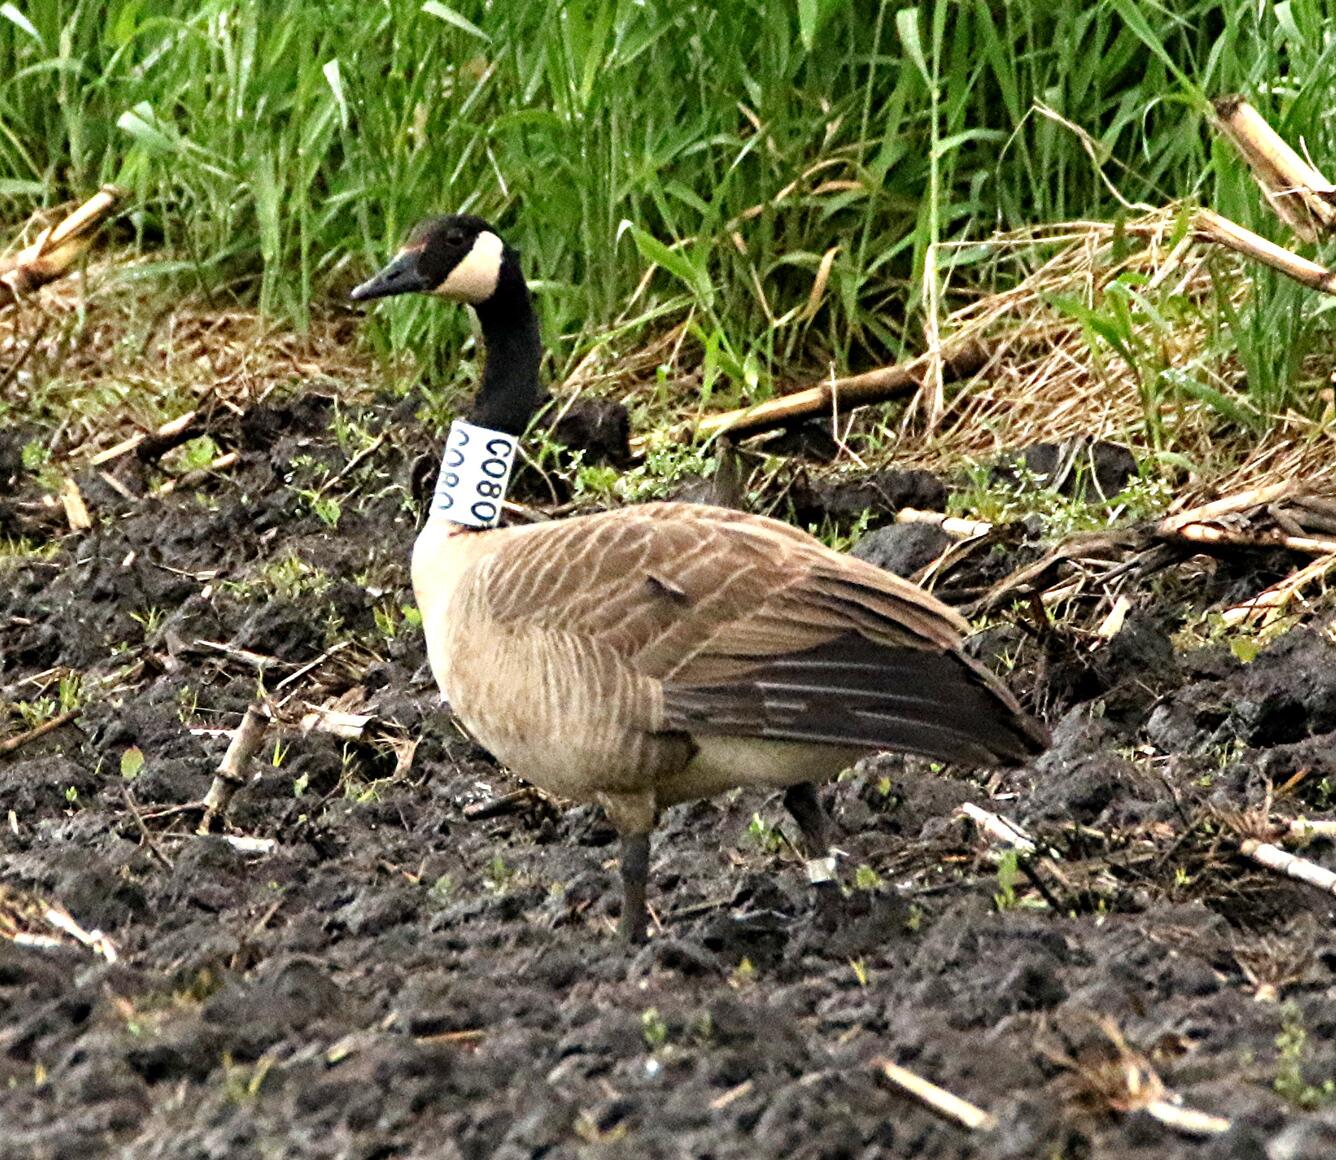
559, 710
553, 710
444, 556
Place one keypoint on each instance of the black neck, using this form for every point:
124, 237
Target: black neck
509, 394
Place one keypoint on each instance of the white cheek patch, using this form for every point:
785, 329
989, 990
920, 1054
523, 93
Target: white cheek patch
475, 278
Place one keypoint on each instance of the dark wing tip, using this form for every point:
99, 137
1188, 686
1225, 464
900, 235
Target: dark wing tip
854, 692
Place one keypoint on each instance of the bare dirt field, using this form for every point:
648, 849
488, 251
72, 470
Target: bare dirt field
394, 978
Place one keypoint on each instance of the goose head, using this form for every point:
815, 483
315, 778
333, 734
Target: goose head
460, 257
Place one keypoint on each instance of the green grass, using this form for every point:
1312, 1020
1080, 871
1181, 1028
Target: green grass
279, 152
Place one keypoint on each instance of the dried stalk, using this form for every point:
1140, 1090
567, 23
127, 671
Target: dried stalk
719, 1103
248, 845
1226, 506
1272, 601
9, 744
998, 827
352, 464
296, 675
1302, 829
145, 834
1229, 537
257, 661
465, 1035
1189, 1121
1086, 553
1112, 624
954, 526
958, 360
231, 774
20, 911
1211, 227
94, 940
941, 1101
1299, 194
76, 511
171, 433
1291, 865
336, 722
56, 249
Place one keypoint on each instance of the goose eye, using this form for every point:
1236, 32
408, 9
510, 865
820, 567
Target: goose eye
455, 237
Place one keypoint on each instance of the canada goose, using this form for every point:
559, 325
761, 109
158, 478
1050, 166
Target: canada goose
664, 652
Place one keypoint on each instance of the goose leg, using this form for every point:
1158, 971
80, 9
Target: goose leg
801, 801
635, 882
633, 815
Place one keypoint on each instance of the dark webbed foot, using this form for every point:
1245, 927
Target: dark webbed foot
802, 802
635, 880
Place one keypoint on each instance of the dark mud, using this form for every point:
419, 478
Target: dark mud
396, 980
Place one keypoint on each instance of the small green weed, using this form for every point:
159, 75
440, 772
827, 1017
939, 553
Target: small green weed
1008, 874
743, 975
764, 836
1001, 499
653, 1028
498, 875
150, 619
1291, 1050
866, 878
15, 549
132, 763
288, 577
193, 455
325, 508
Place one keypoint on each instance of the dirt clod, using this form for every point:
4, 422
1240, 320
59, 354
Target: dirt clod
876, 496
599, 429
1081, 468
902, 548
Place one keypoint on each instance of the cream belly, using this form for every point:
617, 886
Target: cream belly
721, 763
671, 768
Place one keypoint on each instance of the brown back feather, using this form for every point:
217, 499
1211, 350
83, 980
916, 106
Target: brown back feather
756, 629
